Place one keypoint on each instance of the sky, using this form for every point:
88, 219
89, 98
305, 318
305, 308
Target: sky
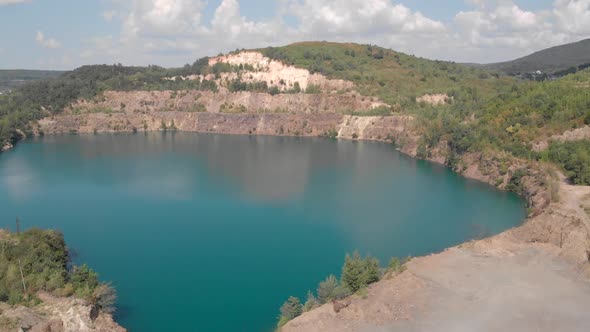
65, 34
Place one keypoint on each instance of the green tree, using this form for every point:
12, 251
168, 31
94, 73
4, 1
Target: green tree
290, 309
395, 265
371, 271
104, 298
311, 302
353, 271
358, 272
328, 289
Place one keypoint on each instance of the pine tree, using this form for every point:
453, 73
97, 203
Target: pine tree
352, 272
311, 302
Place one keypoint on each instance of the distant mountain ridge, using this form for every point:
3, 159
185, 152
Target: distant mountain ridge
12, 78
558, 60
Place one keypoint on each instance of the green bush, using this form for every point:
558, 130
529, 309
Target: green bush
515, 183
44, 260
311, 302
330, 289
358, 272
290, 309
332, 134
313, 89
104, 298
574, 158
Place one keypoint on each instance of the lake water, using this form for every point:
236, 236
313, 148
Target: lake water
213, 232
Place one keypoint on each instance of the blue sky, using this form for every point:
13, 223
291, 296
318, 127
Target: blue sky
63, 34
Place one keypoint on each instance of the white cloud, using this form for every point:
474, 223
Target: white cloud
46, 42
172, 32
573, 16
108, 15
360, 17
12, 2
151, 18
501, 30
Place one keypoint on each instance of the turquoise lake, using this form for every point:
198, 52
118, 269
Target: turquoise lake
205, 232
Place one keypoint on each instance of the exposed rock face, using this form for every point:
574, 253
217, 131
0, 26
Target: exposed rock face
568, 136
274, 73
435, 99
224, 101
288, 124
58, 315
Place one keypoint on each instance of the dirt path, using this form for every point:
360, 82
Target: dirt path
532, 278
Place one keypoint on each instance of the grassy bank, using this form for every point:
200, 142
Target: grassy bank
38, 260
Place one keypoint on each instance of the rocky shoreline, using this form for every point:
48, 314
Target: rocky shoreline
56, 314
6, 147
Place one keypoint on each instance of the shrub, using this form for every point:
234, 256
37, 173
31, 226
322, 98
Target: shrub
358, 272
104, 298
311, 302
45, 264
574, 158
396, 265
332, 133
330, 289
371, 271
313, 89
290, 309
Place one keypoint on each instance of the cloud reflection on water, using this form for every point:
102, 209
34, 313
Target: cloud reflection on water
18, 177
365, 192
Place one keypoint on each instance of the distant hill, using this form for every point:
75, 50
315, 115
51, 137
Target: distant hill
559, 60
12, 78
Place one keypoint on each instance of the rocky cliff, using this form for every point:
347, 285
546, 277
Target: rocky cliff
56, 315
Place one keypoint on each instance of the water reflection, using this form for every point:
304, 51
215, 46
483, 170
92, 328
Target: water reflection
262, 168
370, 192
19, 178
